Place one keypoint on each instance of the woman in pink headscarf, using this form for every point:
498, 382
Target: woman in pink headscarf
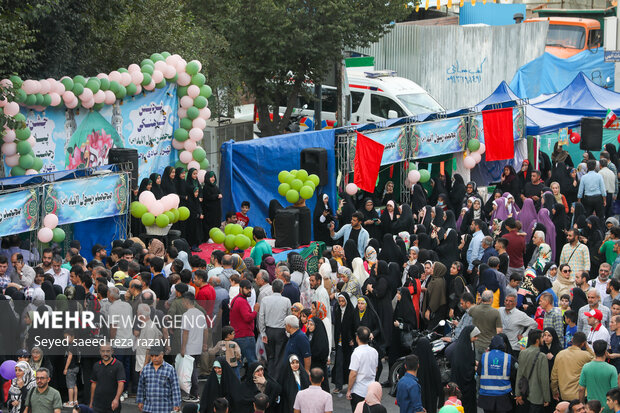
372, 402
527, 217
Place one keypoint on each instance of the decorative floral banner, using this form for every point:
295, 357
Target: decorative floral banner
19, 212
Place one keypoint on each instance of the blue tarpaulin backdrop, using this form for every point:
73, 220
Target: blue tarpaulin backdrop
250, 170
493, 14
97, 231
550, 74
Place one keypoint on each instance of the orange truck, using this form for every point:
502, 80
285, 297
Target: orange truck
568, 36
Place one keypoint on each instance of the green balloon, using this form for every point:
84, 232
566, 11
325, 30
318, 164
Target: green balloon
148, 69
306, 192
198, 79
200, 102
146, 62
296, 184
199, 154
59, 235
26, 161
205, 90
181, 134
78, 89
122, 70
122, 92
425, 175
104, 84
192, 68
146, 80
248, 232
19, 117
131, 89
473, 145
186, 123
20, 96
242, 242
179, 164
170, 216
236, 229
293, 172
283, 188
289, 178
212, 231
165, 54
162, 220
193, 112
17, 81
38, 164
67, 82
156, 57
176, 214
292, 196
282, 176
183, 213
204, 164
182, 91
148, 219
31, 100
302, 175
137, 209
229, 242
310, 184
218, 237
93, 84
47, 100
98, 106
79, 79
22, 134
18, 171
227, 229
161, 84
23, 147
39, 99
314, 178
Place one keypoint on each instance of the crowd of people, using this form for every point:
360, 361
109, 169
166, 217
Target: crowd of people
524, 287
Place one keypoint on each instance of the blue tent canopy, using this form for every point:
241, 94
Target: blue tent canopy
582, 97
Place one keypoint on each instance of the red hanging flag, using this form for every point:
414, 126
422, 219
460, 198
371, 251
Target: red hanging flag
498, 134
368, 154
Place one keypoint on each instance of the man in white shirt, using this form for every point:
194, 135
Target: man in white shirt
194, 340
600, 282
363, 367
120, 322
516, 324
319, 293
597, 329
61, 275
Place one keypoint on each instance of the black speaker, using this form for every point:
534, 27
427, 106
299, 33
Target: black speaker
305, 225
314, 160
122, 155
591, 134
286, 226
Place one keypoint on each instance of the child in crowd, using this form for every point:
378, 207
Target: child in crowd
513, 284
570, 320
452, 394
242, 216
564, 303
615, 307
71, 369
593, 406
228, 348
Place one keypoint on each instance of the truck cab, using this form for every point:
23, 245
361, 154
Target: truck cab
568, 36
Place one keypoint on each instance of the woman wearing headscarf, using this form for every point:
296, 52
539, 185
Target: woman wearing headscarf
488, 207
559, 154
388, 217
222, 382
359, 272
319, 347
366, 316
346, 208
571, 188
457, 193
338, 254
527, 217
179, 181
404, 222
543, 261
512, 209
579, 299
558, 197
379, 293
550, 235
372, 401
593, 235
434, 304
167, 181
578, 218
475, 212
404, 320
191, 182
560, 222
211, 203
418, 198
322, 217
447, 249
293, 378
488, 281
524, 175
20, 386
457, 287
371, 221
350, 253
463, 362
388, 194
156, 185
550, 345
428, 375
257, 380
499, 209
145, 185
491, 398
344, 339
156, 248
437, 189
193, 224
390, 251
509, 181
370, 258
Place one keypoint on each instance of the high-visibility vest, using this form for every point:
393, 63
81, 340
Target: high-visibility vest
495, 378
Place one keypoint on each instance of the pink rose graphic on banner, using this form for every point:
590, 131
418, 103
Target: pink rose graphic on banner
91, 143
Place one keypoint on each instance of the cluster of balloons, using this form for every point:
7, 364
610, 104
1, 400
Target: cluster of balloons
297, 183
7, 369
105, 89
234, 236
50, 230
476, 149
414, 176
161, 212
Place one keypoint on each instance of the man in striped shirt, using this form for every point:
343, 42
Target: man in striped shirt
574, 253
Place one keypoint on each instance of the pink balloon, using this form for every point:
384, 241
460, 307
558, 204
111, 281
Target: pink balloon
177, 145
413, 176
201, 176
38, 108
186, 102
88, 104
31, 86
137, 77
182, 113
189, 145
45, 235
157, 76
9, 148
150, 86
45, 87
351, 189
32, 141
146, 197
138, 89
72, 104
196, 134
102, 76
11, 109
193, 165
176, 199
68, 96
169, 71
110, 98
180, 65
133, 68
183, 79
115, 76
477, 157
193, 91
50, 221
12, 160
55, 99
482, 148
99, 96
160, 65
199, 123
59, 88
125, 79
9, 135
185, 157
6, 83
86, 95
31, 172
469, 162
171, 60
167, 202
205, 113
156, 208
